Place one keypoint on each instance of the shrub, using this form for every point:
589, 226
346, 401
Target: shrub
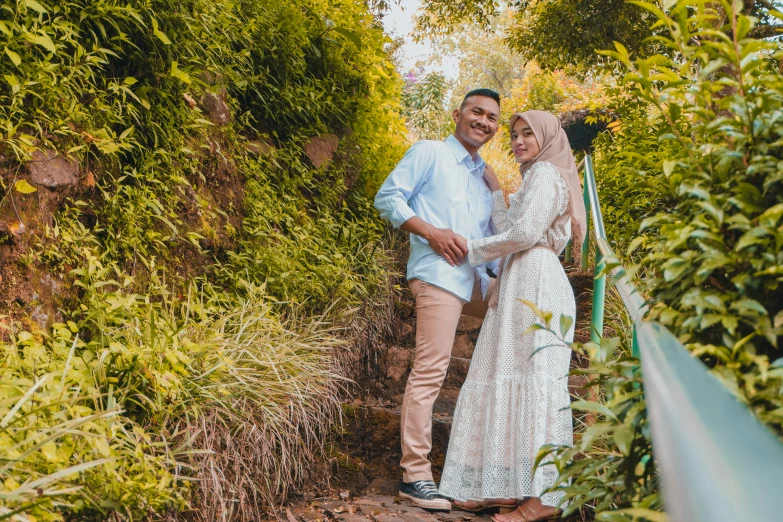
170, 205
139, 401
710, 257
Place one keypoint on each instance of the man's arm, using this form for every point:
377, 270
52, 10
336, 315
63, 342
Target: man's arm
402, 184
444, 241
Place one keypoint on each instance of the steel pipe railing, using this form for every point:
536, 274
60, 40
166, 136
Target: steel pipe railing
718, 463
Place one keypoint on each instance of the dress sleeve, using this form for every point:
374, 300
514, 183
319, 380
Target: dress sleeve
542, 203
500, 212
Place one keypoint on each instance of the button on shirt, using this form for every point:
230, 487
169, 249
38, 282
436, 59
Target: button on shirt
439, 182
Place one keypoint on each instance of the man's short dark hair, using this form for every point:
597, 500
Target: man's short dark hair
489, 93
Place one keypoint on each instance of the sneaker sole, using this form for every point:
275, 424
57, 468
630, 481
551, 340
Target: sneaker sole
439, 505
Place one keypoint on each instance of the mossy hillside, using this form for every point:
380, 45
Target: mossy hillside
194, 212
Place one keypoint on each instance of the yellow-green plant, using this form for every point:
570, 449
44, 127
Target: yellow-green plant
166, 370
710, 256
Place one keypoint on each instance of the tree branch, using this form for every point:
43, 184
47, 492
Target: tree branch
766, 31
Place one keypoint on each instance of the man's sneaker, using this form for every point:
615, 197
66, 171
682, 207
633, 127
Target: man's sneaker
425, 494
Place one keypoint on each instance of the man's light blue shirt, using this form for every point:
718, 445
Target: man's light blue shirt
439, 182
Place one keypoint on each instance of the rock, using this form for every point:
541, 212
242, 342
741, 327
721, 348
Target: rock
398, 362
412, 516
446, 401
259, 148
351, 517
463, 346
576, 386
320, 149
458, 370
216, 107
387, 517
469, 324
52, 171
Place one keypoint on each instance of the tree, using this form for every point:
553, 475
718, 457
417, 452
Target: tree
560, 33
484, 57
423, 100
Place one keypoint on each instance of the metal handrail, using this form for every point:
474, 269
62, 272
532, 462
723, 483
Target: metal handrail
718, 463
629, 293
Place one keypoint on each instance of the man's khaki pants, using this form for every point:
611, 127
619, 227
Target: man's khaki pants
437, 314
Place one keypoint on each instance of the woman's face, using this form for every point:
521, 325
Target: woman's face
523, 142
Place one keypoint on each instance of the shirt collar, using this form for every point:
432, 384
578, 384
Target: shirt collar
461, 154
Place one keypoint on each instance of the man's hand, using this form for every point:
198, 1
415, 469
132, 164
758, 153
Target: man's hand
451, 246
444, 241
491, 178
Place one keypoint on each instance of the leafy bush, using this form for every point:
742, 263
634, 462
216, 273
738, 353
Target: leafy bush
714, 264
710, 258
627, 169
179, 240
137, 401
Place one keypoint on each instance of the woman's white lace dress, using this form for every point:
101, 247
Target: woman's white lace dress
515, 398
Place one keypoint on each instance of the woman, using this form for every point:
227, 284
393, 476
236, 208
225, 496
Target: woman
515, 398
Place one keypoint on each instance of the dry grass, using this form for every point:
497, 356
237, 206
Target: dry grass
262, 439
497, 153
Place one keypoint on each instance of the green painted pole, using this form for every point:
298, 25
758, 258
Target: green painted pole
586, 243
599, 299
635, 352
568, 254
634, 344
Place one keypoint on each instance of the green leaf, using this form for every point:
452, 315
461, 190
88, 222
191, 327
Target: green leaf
565, 324
674, 111
668, 167
11, 79
162, 37
595, 407
350, 35
43, 40
623, 437
635, 243
179, 74
635, 512
35, 6
24, 187
545, 317
15, 58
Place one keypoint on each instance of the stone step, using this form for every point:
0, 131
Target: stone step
374, 507
371, 435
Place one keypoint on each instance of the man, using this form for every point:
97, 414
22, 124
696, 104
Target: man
438, 195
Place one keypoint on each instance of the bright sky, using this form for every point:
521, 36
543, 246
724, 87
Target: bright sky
398, 21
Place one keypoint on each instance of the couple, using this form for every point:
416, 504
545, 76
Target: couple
515, 398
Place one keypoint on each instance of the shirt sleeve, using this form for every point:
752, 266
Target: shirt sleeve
541, 205
404, 182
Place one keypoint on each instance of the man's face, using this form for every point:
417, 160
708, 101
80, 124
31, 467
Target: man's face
477, 120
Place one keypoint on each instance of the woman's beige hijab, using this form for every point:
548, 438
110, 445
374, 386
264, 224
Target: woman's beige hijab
555, 149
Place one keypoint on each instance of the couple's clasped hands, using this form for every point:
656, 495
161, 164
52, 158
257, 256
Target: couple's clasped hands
452, 246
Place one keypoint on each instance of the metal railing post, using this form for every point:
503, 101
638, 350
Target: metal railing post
599, 299
586, 242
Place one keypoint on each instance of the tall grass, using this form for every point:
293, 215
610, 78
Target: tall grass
159, 394
497, 154
264, 437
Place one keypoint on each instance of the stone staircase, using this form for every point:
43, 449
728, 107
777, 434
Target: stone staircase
365, 472
369, 452
372, 424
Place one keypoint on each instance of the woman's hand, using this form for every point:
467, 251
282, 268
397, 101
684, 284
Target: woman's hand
491, 178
